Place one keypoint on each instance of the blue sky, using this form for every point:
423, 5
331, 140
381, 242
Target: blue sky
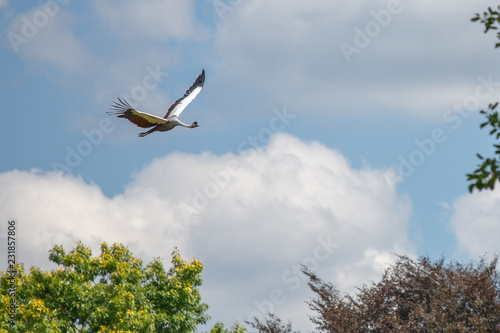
332, 134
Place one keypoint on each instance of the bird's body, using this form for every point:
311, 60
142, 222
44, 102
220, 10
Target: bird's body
145, 120
172, 121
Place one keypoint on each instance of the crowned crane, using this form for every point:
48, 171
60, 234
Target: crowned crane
122, 109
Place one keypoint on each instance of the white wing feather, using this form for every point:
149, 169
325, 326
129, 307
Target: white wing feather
179, 106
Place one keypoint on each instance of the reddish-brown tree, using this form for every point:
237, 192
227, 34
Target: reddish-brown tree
414, 296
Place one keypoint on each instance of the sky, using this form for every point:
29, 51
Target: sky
332, 134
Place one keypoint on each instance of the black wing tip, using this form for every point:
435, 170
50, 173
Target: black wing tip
119, 107
123, 103
201, 79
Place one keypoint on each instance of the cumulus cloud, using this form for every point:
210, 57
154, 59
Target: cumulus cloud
252, 218
475, 223
339, 57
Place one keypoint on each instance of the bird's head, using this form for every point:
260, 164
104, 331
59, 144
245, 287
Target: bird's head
195, 124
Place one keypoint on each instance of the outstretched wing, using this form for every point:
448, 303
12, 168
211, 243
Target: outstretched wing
122, 109
191, 93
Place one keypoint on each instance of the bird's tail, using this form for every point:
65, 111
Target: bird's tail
143, 134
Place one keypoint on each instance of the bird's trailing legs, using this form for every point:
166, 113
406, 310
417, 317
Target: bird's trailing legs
148, 132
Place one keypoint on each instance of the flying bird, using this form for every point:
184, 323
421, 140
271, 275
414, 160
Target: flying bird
122, 109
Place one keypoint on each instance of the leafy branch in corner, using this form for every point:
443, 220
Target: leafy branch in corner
485, 176
487, 173
491, 21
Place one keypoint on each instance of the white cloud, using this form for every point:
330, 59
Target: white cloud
44, 35
475, 222
51, 37
251, 218
292, 49
157, 20
3, 3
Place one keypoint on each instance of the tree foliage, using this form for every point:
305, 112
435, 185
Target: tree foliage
490, 19
488, 172
219, 328
113, 292
414, 296
271, 324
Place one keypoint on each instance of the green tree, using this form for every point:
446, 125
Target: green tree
414, 296
488, 172
113, 292
219, 328
271, 324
